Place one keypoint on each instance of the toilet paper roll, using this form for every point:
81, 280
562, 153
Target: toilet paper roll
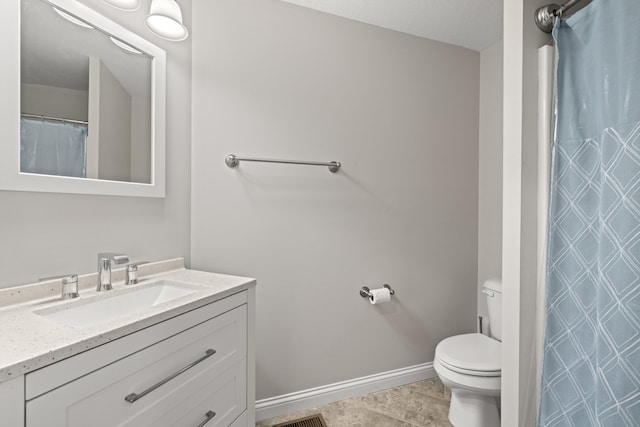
379, 296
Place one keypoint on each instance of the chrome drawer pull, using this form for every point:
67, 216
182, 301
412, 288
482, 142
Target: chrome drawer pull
210, 416
133, 396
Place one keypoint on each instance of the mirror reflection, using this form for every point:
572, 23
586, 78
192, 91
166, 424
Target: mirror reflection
86, 99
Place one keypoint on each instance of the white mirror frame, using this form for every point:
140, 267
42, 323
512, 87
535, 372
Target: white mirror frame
10, 176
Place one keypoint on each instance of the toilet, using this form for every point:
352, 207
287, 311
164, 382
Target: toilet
470, 366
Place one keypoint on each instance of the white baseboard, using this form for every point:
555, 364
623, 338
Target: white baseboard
305, 399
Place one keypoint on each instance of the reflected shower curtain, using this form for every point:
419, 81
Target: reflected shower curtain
53, 148
591, 370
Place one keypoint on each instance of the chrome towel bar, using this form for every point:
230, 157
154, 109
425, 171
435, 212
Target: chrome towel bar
232, 161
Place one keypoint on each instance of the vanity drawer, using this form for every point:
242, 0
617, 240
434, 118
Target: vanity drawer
57, 374
219, 399
98, 399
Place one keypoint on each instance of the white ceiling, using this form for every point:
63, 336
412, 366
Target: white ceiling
474, 24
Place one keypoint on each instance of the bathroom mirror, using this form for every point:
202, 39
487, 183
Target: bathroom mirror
89, 110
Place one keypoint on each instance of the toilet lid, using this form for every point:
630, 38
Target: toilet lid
472, 354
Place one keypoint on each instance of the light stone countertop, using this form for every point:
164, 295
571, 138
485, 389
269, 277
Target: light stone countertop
29, 341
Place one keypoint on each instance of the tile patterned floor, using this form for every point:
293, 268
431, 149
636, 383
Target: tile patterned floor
422, 404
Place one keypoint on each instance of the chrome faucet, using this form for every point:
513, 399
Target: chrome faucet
104, 268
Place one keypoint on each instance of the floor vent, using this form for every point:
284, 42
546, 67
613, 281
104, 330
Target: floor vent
312, 421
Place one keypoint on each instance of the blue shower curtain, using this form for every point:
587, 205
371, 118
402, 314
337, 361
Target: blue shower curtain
591, 370
53, 148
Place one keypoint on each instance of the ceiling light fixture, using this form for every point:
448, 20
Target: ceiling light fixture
128, 5
165, 20
71, 18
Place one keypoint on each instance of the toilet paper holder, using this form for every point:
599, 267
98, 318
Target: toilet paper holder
365, 292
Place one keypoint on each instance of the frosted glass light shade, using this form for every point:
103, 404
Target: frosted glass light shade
71, 18
165, 20
125, 46
124, 4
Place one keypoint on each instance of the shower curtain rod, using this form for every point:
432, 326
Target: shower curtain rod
53, 119
546, 15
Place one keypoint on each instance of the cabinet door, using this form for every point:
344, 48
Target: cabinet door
98, 399
12, 402
241, 421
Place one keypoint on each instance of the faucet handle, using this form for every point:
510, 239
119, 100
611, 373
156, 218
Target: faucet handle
131, 277
70, 286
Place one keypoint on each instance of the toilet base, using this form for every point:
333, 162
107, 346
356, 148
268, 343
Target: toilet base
473, 410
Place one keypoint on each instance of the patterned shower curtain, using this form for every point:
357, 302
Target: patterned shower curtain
591, 370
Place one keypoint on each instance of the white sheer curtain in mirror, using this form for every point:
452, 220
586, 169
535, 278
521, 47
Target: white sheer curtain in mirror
52, 148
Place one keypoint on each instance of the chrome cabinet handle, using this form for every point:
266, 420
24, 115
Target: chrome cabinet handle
210, 416
134, 396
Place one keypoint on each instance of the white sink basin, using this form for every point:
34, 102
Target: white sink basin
118, 303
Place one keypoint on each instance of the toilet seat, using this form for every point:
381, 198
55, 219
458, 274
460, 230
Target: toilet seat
471, 354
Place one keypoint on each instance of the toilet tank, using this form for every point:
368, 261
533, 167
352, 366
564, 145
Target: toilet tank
492, 289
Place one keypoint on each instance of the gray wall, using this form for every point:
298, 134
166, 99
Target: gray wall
141, 138
114, 137
490, 172
54, 101
275, 80
51, 234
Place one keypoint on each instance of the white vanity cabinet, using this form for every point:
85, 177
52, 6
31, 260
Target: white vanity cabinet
191, 370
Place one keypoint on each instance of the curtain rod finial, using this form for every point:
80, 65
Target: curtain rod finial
545, 17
